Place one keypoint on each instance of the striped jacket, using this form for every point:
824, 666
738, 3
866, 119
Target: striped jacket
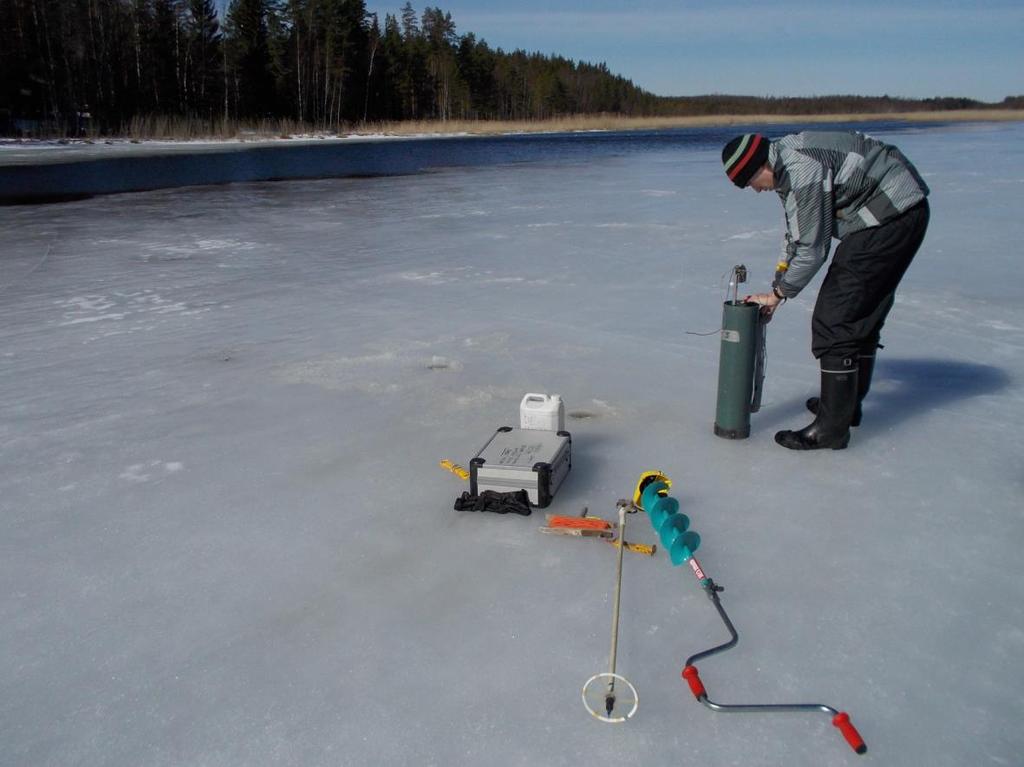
831, 185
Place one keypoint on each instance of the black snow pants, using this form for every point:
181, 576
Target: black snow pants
860, 286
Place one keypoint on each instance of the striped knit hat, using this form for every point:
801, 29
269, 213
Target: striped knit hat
744, 156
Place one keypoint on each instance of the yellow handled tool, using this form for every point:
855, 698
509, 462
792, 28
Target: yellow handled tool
454, 468
636, 548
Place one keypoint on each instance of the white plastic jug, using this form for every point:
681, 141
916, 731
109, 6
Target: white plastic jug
543, 412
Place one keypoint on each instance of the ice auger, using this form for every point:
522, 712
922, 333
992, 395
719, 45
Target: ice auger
663, 512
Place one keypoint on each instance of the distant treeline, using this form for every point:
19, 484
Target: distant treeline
753, 105
75, 66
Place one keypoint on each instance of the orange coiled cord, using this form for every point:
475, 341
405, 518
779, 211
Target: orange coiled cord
580, 523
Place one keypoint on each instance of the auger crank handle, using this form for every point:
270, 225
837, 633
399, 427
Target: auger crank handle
842, 721
692, 677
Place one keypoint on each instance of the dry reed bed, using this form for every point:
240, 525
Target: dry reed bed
186, 129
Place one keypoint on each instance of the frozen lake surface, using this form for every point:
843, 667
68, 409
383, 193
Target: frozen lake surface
225, 539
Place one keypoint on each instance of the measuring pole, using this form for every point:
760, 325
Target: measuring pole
609, 699
610, 675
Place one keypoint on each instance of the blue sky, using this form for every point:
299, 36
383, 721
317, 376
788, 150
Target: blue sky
789, 48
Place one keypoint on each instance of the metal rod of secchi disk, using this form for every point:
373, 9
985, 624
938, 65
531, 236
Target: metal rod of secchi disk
612, 697
609, 699
840, 719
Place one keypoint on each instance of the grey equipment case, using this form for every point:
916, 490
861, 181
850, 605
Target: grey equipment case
522, 459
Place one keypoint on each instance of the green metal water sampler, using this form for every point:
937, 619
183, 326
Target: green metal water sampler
740, 362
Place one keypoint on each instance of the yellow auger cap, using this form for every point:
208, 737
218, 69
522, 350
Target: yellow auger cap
645, 479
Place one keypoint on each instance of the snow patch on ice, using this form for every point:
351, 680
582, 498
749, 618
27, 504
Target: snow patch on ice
183, 251
427, 278
644, 227
454, 214
1001, 325
86, 303
750, 235
371, 374
477, 396
449, 276
224, 245
95, 318
141, 305
144, 472
492, 342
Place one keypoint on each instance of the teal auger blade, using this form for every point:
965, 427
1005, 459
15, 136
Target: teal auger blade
672, 528
683, 548
652, 493
662, 509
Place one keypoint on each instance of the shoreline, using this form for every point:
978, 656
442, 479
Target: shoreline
583, 123
39, 171
453, 128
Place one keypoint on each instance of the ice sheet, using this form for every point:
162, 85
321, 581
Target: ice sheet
225, 539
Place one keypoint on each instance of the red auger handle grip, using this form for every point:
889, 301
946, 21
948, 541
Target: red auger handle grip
692, 677
842, 721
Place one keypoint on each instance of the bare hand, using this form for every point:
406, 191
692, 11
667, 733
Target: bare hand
768, 302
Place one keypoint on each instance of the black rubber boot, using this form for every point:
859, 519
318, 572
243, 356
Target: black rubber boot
866, 367
831, 427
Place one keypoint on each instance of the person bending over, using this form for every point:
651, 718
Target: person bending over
871, 198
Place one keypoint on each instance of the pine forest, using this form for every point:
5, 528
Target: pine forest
319, 63
71, 67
